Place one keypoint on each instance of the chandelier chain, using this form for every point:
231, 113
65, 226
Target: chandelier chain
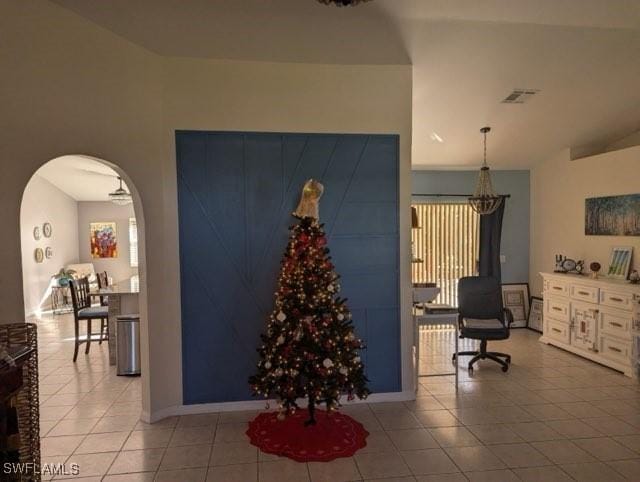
484, 163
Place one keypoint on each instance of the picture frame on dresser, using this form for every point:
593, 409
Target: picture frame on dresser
536, 312
620, 262
515, 296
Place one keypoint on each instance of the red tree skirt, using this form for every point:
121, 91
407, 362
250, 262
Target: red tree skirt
334, 436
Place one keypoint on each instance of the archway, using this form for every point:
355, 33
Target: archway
67, 383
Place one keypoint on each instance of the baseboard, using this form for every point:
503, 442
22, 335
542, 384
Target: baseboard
260, 405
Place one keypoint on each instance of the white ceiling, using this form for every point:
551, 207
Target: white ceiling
81, 177
583, 55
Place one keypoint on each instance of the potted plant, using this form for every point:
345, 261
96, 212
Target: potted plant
63, 277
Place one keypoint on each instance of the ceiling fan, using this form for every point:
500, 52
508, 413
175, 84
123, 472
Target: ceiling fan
120, 196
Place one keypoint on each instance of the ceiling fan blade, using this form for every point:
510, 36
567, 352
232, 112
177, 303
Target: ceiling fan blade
97, 173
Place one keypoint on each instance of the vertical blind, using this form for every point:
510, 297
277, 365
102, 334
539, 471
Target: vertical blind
445, 246
133, 242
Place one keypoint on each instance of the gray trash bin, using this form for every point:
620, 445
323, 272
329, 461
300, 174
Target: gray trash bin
128, 344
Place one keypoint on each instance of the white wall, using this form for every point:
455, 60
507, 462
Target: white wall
71, 87
95, 211
43, 202
559, 188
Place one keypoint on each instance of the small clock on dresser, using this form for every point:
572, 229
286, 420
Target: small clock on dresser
568, 265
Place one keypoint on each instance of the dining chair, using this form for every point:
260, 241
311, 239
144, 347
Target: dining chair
103, 282
82, 310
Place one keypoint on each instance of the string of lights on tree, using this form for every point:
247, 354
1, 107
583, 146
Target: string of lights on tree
309, 348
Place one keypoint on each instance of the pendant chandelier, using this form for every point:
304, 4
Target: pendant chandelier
343, 3
120, 196
484, 199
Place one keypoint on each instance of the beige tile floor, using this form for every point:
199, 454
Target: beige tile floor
552, 417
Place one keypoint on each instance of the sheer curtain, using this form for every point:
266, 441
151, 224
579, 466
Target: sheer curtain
445, 246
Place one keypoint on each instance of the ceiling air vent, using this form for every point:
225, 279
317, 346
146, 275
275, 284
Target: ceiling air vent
520, 96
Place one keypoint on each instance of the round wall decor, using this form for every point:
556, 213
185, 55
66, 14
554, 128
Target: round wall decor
38, 254
47, 230
36, 233
48, 252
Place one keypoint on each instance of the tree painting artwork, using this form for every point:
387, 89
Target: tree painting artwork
613, 215
103, 240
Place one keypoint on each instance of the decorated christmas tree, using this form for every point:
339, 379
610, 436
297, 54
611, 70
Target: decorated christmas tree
309, 349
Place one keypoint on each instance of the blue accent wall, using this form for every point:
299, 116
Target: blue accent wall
236, 192
515, 224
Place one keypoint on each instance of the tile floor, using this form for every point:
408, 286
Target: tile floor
552, 417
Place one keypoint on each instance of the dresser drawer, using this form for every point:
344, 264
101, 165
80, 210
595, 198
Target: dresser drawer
557, 287
590, 294
557, 331
616, 350
557, 309
615, 299
614, 322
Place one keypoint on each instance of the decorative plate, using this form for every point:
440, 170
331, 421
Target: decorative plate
48, 252
36, 233
47, 230
38, 254
569, 264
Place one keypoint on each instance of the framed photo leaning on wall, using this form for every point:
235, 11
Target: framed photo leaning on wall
620, 262
534, 322
515, 296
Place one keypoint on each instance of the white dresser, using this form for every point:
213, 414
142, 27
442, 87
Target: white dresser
593, 318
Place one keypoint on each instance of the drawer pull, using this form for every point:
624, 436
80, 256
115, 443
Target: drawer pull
556, 330
613, 348
556, 308
615, 298
558, 288
613, 323
584, 293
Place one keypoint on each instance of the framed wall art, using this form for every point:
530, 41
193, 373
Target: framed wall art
47, 230
534, 322
36, 233
620, 262
103, 240
515, 296
612, 215
38, 255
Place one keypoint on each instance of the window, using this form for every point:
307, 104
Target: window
133, 242
445, 246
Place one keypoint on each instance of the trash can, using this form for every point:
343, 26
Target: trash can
128, 344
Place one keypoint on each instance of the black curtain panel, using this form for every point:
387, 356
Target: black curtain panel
490, 234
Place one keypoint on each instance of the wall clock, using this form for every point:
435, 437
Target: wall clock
47, 230
38, 254
36, 233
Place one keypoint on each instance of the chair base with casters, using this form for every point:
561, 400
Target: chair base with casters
483, 354
483, 317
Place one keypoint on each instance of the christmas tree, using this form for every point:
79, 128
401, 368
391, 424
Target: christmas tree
309, 349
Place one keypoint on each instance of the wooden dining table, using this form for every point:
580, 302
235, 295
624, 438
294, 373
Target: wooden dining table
122, 300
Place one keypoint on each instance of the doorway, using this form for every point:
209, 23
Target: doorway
73, 227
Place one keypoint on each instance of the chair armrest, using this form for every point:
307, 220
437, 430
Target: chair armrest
508, 317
